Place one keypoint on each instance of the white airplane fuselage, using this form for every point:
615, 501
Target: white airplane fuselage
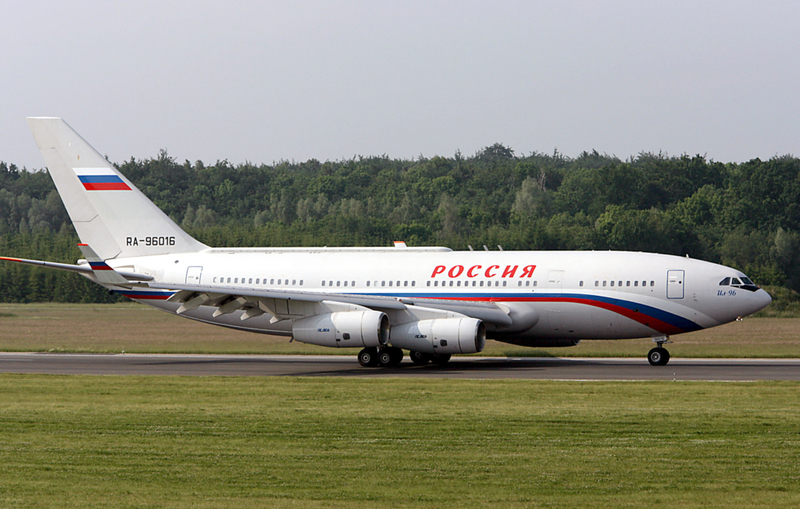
433, 302
558, 294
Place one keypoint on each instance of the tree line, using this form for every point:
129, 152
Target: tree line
746, 215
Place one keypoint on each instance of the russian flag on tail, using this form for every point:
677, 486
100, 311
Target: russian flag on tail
100, 179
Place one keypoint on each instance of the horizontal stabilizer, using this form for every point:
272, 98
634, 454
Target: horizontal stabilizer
101, 270
81, 269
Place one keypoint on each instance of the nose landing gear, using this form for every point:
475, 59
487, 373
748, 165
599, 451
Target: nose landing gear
659, 356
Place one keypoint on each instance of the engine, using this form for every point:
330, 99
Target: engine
441, 335
343, 329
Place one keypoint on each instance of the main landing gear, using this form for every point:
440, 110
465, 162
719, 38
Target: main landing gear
659, 356
421, 358
385, 357
390, 356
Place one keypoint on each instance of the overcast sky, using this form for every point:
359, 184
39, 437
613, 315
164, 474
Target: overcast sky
264, 81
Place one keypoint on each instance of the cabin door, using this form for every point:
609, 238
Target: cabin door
555, 284
193, 275
675, 284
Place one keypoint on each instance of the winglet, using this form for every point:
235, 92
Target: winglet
100, 268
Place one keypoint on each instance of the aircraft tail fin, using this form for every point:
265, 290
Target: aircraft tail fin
108, 212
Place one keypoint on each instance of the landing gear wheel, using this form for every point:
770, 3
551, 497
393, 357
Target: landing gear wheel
368, 357
440, 358
390, 356
420, 358
658, 356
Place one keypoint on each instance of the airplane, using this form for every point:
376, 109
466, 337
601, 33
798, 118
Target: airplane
431, 301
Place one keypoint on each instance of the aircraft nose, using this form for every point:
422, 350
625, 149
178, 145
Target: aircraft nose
762, 300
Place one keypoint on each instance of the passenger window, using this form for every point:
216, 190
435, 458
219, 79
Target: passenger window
435, 283
250, 282
229, 280
636, 283
301, 282
429, 283
215, 280
390, 283
644, 283
236, 280
627, 283
338, 283
323, 283
504, 283
527, 283
481, 283
652, 283
597, 283
383, 283
580, 284
294, 281
612, 283
451, 283
405, 283
536, 283
413, 283
620, 283
345, 283
367, 283
604, 283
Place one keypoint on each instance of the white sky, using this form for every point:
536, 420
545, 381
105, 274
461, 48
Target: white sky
263, 81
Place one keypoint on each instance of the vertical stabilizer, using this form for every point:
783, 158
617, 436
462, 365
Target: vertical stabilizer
108, 212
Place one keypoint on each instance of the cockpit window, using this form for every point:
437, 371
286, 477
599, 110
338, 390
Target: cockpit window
747, 281
725, 282
735, 281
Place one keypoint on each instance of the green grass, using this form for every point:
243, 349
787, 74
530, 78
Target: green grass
136, 328
785, 303
82, 441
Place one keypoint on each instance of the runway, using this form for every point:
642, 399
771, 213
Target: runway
347, 366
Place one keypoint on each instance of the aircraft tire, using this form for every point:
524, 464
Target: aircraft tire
420, 358
397, 355
658, 356
441, 358
368, 357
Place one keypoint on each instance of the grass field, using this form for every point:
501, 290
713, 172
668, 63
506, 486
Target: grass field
82, 441
137, 328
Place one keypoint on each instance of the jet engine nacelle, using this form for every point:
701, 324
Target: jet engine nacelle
441, 335
343, 329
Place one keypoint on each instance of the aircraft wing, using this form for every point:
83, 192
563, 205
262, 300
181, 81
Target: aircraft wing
286, 304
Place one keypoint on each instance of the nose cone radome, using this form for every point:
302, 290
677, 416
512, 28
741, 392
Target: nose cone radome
761, 299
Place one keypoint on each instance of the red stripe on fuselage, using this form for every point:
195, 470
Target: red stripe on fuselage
646, 320
148, 297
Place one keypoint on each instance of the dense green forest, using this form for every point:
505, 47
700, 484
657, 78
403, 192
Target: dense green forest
746, 215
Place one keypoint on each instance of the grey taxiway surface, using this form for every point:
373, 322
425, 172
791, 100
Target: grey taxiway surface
463, 367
